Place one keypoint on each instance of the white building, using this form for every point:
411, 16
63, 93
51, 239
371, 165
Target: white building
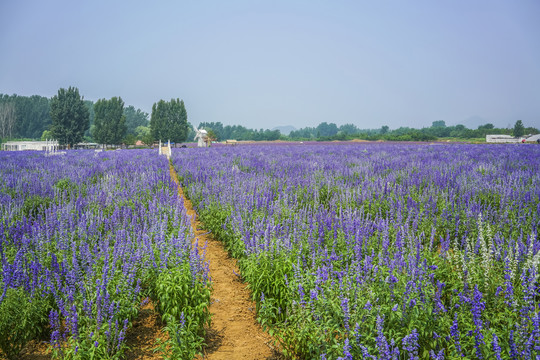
49, 145
30, 145
502, 139
511, 139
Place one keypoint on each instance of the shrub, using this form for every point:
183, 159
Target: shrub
22, 319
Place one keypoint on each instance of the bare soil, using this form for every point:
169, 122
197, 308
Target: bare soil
234, 332
142, 337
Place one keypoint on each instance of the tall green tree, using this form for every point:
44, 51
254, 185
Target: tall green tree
135, 118
519, 129
109, 121
158, 120
178, 121
169, 121
32, 114
69, 116
90, 106
7, 119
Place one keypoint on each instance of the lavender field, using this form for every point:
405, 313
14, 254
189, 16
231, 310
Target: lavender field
381, 251
84, 239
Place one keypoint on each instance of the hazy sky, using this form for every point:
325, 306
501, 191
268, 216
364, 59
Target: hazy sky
267, 63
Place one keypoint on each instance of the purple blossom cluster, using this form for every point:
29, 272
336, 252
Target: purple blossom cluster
90, 232
382, 249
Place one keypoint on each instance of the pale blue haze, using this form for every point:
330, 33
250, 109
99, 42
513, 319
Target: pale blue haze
263, 64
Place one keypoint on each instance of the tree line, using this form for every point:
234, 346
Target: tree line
438, 129
70, 119
218, 132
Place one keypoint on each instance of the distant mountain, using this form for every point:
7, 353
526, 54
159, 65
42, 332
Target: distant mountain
285, 130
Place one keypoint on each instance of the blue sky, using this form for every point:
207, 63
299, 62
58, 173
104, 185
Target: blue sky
267, 63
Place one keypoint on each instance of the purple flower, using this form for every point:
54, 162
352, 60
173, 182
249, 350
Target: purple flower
346, 351
345, 308
496, 347
436, 356
454, 332
410, 344
382, 343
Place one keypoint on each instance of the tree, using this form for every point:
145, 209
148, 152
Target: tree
217, 127
169, 121
90, 106
325, 129
142, 131
487, 126
178, 121
109, 121
158, 120
349, 129
531, 130
7, 119
212, 135
519, 129
47, 135
70, 117
31, 115
438, 124
384, 129
144, 134
130, 140
135, 118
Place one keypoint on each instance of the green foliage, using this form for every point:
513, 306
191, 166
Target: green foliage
66, 190
438, 124
183, 341
22, 318
70, 117
266, 275
183, 302
130, 140
7, 117
325, 129
35, 205
90, 106
145, 135
110, 122
31, 114
519, 129
134, 119
47, 135
238, 132
169, 121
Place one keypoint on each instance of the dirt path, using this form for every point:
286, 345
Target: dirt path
234, 333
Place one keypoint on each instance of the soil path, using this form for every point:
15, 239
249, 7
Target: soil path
234, 333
